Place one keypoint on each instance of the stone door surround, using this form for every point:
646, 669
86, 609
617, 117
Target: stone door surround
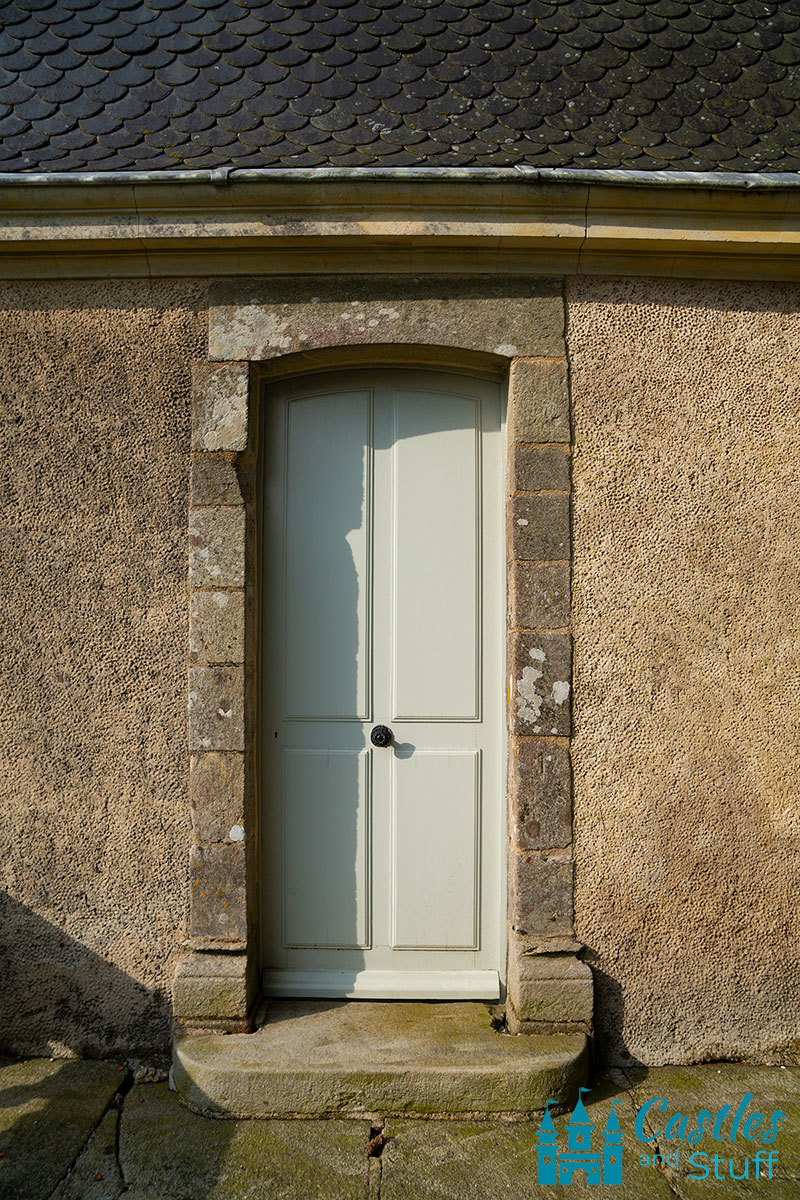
511, 326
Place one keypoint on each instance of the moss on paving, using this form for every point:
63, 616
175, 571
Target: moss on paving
168, 1150
48, 1110
56, 1142
95, 1175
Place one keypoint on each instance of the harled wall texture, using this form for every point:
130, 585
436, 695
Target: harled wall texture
686, 411
94, 473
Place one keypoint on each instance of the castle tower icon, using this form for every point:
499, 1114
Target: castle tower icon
612, 1148
547, 1150
558, 1166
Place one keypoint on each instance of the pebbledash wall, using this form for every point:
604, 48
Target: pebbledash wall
132, 414
95, 379
686, 526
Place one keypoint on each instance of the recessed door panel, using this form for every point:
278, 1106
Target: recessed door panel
437, 531
384, 600
326, 803
327, 550
436, 878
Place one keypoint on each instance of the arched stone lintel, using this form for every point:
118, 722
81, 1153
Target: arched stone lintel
384, 354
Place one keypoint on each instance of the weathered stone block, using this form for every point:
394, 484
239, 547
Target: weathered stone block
540, 893
538, 400
539, 595
216, 627
216, 794
539, 468
216, 708
217, 906
502, 315
216, 547
219, 405
541, 795
539, 527
551, 989
551, 943
211, 987
541, 665
214, 481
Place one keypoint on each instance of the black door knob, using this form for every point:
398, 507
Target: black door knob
381, 735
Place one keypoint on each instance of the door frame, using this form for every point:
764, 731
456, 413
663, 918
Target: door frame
511, 328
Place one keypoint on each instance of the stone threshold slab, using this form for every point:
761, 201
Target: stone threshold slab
355, 1058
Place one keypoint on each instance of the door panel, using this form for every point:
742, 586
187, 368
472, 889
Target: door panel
326, 802
383, 604
436, 515
327, 620
436, 879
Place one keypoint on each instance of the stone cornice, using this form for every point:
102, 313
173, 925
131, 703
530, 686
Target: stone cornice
310, 226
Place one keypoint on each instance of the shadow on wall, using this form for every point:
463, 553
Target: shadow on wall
57, 997
609, 1020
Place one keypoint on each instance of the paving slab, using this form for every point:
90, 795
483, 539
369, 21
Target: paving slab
443, 1160
710, 1088
322, 1057
96, 1174
48, 1111
725, 1189
167, 1152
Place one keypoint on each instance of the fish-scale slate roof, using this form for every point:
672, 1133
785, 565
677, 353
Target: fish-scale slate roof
176, 84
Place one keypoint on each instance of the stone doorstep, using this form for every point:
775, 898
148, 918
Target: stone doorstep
355, 1058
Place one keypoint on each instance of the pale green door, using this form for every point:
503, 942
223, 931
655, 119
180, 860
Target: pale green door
384, 606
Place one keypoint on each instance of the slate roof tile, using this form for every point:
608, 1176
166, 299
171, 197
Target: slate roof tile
132, 41
33, 109
14, 94
168, 83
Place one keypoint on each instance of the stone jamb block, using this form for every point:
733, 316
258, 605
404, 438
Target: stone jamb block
541, 671
216, 626
538, 400
216, 708
540, 888
215, 481
539, 526
219, 405
538, 595
217, 892
212, 988
539, 468
555, 943
541, 794
216, 794
217, 547
549, 992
